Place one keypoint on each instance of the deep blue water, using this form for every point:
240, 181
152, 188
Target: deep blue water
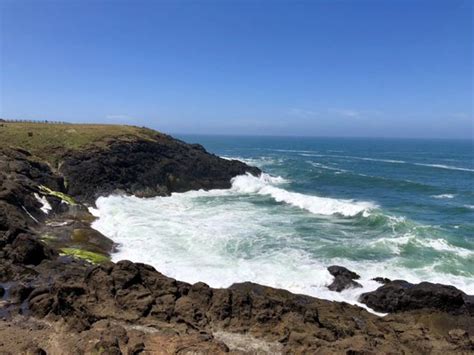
402, 175
427, 182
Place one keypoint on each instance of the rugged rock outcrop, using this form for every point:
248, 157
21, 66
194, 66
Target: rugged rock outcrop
81, 295
147, 168
382, 280
399, 296
125, 307
343, 278
20, 210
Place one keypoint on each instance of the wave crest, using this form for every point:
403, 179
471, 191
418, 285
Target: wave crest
443, 196
265, 185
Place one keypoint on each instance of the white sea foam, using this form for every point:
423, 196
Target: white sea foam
259, 162
221, 237
397, 243
219, 246
444, 196
392, 161
240, 234
327, 167
442, 245
383, 160
441, 166
264, 185
294, 151
316, 155
353, 157
46, 207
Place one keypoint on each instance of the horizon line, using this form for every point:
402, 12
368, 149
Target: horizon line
46, 121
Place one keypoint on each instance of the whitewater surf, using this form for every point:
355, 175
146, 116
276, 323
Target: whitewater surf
270, 230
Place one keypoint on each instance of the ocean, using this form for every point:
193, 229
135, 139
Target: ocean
401, 209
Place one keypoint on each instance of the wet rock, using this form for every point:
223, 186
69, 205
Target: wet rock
147, 168
20, 292
92, 240
342, 283
124, 274
29, 251
382, 280
41, 304
337, 271
20, 210
399, 295
343, 278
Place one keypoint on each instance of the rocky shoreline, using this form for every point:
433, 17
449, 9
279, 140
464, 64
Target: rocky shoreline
61, 294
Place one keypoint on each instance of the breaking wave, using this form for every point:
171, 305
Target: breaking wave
284, 231
265, 185
442, 196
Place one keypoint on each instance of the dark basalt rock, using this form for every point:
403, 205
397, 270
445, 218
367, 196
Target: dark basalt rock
382, 280
147, 168
343, 278
82, 295
20, 291
28, 250
20, 177
399, 296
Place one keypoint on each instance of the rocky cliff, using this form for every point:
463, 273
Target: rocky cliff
60, 294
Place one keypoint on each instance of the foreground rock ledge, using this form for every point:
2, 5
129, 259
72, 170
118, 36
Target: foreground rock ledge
132, 300
59, 304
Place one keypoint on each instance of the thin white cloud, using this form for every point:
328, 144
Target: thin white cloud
352, 113
302, 113
344, 112
334, 112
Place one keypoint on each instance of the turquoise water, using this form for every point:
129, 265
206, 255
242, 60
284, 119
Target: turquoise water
393, 208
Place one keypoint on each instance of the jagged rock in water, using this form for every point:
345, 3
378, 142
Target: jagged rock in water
343, 278
399, 296
382, 280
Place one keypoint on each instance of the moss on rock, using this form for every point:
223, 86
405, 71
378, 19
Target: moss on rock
90, 256
47, 237
62, 196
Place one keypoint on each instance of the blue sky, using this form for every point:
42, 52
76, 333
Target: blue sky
392, 68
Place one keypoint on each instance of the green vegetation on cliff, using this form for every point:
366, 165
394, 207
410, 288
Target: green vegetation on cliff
62, 196
90, 256
48, 141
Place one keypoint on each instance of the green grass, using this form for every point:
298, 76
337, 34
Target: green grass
90, 256
49, 141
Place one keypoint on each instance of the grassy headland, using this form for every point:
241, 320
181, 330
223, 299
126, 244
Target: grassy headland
47, 141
